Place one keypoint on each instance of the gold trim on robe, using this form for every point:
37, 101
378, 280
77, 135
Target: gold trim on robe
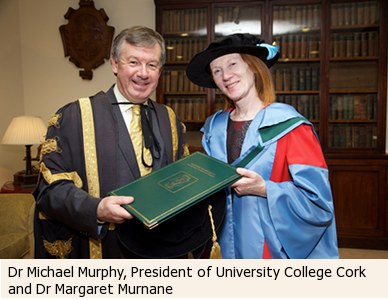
90, 154
54, 120
51, 178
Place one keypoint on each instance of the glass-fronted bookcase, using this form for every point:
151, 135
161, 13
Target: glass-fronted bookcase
187, 29
186, 34
297, 30
353, 75
333, 69
331, 66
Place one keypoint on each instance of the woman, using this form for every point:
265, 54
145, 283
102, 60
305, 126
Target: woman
282, 207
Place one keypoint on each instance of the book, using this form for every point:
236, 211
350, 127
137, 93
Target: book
176, 187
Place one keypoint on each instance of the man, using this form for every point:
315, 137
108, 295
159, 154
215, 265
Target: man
90, 150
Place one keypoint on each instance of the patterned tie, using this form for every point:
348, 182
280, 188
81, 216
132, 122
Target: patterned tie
143, 155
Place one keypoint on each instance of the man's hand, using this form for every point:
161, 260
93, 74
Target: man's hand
251, 183
109, 209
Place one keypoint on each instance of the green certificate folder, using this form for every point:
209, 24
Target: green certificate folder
177, 186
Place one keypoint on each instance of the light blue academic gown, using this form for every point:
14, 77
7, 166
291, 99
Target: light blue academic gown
296, 219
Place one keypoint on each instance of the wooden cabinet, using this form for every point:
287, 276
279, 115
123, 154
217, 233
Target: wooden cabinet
9, 187
360, 189
333, 69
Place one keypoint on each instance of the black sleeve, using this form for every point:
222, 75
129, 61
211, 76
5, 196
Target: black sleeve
61, 192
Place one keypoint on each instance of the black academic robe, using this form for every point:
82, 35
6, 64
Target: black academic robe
66, 214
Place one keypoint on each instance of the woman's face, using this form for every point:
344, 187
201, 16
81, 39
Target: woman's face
233, 77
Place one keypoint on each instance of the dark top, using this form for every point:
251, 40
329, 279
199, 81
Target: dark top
235, 138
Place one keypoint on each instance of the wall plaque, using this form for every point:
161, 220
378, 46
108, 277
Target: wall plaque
86, 38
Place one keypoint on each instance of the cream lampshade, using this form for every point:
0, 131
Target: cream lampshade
28, 131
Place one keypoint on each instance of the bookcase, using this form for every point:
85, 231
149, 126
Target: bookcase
333, 69
353, 75
296, 29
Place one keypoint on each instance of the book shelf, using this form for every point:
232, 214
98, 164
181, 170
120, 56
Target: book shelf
353, 75
296, 29
333, 69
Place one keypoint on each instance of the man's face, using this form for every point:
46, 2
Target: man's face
138, 70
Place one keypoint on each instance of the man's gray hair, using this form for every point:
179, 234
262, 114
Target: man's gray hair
140, 36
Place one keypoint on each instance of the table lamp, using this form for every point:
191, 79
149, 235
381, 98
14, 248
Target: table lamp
28, 131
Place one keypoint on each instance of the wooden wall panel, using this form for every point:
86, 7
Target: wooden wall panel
360, 201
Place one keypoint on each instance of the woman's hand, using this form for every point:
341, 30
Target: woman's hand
251, 183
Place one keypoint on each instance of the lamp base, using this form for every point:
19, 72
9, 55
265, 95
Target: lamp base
23, 180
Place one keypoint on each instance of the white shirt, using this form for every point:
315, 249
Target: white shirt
126, 110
